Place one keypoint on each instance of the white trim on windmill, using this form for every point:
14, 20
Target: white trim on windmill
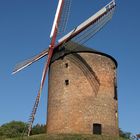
56, 17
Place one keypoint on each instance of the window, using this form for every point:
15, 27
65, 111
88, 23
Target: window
97, 129
66, 82
115, 89
66, 65
115, 93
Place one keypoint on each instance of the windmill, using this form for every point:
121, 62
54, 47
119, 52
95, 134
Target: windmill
80, 35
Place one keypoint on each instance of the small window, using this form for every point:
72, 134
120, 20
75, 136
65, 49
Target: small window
115, 93
66, 82
66, 65
97, 129
115, 89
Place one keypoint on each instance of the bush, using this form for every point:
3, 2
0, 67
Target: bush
12, 129
38, 129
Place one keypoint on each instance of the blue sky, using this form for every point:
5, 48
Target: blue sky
25, 26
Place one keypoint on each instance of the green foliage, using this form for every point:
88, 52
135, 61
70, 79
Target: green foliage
16, 128
126, 135
70, 137
12, 129
38, 129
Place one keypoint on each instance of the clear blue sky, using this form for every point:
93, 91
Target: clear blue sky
25, 26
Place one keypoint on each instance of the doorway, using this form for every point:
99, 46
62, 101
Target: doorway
97, 129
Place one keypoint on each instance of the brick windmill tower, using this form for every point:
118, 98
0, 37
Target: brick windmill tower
82, 89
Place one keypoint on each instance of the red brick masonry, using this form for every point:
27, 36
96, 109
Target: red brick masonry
87, 99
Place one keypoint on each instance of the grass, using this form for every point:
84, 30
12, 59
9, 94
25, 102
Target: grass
67, 137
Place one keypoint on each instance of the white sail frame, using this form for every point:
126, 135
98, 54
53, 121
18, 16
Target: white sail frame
56, 17
88, 21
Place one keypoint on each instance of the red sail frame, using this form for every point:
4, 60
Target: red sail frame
50, 53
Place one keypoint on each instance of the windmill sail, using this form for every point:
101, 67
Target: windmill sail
61, 17
64, 17
32, 116
47, 63
30, 61
55, 24
80, 34
95, 22
93, 29
33, 113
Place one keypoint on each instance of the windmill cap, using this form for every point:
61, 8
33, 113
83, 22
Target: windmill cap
73, 47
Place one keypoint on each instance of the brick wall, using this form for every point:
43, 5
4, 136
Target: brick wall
87, 99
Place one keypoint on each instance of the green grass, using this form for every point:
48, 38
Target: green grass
67, 137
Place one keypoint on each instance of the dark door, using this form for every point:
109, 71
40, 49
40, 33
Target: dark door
97, 129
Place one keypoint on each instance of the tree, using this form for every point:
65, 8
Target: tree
126, 135
138, 136
38, 129
16, 128
12, 129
